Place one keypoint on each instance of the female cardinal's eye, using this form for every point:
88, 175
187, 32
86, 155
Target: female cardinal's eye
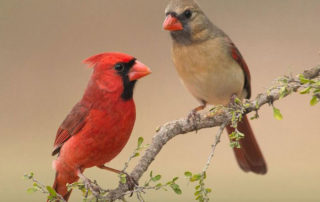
187, 13
119, 67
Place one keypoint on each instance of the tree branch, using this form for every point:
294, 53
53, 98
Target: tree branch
182, 126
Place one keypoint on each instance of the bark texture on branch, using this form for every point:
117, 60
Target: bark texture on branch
182, 126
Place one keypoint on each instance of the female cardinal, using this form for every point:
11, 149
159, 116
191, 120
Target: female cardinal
212, 69
100, 124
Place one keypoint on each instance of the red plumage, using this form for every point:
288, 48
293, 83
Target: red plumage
100, 124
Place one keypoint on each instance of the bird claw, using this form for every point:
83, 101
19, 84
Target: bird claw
130, 182
194, 118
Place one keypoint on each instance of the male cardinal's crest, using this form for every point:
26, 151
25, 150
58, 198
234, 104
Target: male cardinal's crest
100, 124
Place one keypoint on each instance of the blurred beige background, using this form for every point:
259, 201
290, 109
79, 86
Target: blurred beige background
42, 44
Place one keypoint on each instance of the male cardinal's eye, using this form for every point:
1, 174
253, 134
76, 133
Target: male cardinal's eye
119, 67
187, 13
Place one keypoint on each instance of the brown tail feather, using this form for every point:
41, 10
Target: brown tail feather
249, 156
60, 185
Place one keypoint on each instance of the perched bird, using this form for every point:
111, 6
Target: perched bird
100, 124
212, 69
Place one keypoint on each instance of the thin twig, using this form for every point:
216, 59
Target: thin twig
214, 145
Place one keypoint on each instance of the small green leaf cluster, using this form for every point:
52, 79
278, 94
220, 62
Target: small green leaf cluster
215, 109
284, 91
201, 192
77, 185
235, 138
53, 196
155, 179
311, 86
85, 192
140, 147
135, 153
37, 186
237, 115
123, 178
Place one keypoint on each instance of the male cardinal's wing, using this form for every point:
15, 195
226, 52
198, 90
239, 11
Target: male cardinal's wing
236, 55
73, 123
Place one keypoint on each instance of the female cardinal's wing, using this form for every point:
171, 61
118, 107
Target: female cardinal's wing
73, 123
236, 55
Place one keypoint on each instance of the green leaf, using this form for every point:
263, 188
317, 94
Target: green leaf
156, 178
200, 198
32, 190
257, 105
303, 80
158, 186
237, 100
51, 191
197, 193
240, 135
187, 174
233, 119
204, 175
150, 174
158, 129
28, 176
283, 92
195, 177
176, 188
123, 178
136, 154
208, 190
175, 179
306, 90
277, 114
140, 141
314, 100
232, 135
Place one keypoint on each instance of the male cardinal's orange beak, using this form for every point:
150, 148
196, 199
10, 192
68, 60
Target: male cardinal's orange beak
138, 70
172, 23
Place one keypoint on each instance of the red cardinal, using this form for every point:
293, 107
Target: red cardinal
212, 69
99, 126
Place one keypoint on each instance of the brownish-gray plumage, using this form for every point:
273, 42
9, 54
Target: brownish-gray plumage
212, 69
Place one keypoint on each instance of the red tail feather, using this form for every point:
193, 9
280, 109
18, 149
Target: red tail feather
249, 156
60, 186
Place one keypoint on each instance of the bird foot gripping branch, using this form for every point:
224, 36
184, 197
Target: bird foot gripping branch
86, 137
194, 116
127, 179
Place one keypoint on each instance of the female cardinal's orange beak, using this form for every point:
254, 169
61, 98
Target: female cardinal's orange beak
172, 23
138, 70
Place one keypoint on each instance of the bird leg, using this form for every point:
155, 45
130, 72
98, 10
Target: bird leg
194, 116
131, 182
89, 185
